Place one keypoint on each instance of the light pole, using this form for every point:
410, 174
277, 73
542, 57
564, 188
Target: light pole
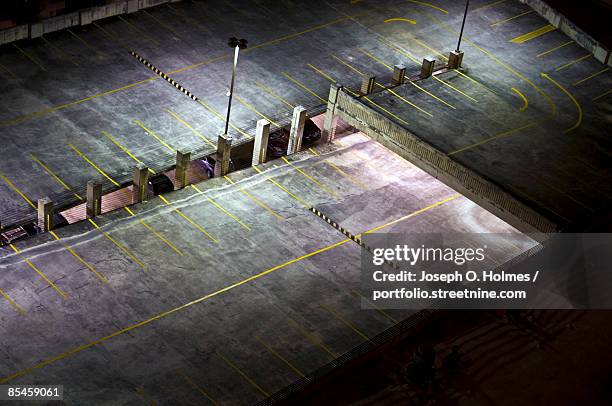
467, 5
237, 44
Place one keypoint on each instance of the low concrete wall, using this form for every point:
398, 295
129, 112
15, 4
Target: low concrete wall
14, 34
599, 51
467, 182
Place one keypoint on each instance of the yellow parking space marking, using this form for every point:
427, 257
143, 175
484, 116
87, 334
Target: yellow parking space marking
348, 65
495, 3
312, 338
581, 81
457, 71
422, 3
280, 357
284, 189
433, 95
139, 30
147, 398
82, 41
601, 95
495, 137
124, 149
523, 98
13, 304
412, 38
540, 55
575, 61
196, 387
378, 309
204, 298
30, 57
189, 220
310, 178
39, 272
274, 94
320, 72
121, 247
344, 321
162, 24
155, 233
242, 374
186, 17
96, 167
512, 18
572, 98
196, 132
207, 107
222, 209
374, 58
351, 179
389, 20
54, 176
253, 198
405, 101
60, 50
18, 191
80, 259
385, 110
112, 37
285, 74
152, 134
254, 110
398, 49
533, 34
10, 74
445, 83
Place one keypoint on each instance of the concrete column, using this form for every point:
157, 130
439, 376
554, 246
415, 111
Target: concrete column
297, 130
45, 214
367, 85
329, 125
224, 147
94, 199
428, 67
183, 158
140, 186
399, 75
260, 148
455, 59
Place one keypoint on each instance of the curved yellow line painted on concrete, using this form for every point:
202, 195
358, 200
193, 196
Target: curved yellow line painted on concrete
523, 97
579, 121
401, 19
422, 3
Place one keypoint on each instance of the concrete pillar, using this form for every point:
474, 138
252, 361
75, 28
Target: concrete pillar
183, 158
455, 59
224, 146
329, 125
297, 130
428, 67
45, 214
260, 148
94, 199
367, 85
399, 75
140, 186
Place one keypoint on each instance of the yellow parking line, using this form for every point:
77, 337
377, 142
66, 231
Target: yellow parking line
54, 176
60, 50
13, 304
285, 74
433, 96
341, 172
250, 196
196, 132
223, 118
523, 97
512, 18
124, 149
582, 58
197, 388
121, 247
500, 135
85, 42
320, 72
19, 192
242, 374
5, 69
161, 23
78, 257
590, 77
39, 272
351, 67
96, 167
495, 3
30, 57
374, 58
152, 134
253, 109
378, 309
445, 83
601, 95
344, 321
161, 237
385, 110
572, 98
221, 208
284, 189
398, 49
189, 220
405, 101
307, 176
388, 20
314, 340
113, 37
474, 80
422, 3
280, 357
554, 49
206, 297
274, 94
533, 34
141, 31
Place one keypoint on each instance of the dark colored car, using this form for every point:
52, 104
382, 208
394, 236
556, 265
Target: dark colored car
279, 140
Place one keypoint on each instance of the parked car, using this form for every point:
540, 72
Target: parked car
279, 140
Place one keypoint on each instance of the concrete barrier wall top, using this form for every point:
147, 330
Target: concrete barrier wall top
60, 22
14, 34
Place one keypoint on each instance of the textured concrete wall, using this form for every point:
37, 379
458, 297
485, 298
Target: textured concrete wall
599, 51
441, 166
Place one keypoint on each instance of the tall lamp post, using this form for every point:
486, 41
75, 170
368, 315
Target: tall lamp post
237, 44
456, 57
467, 5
